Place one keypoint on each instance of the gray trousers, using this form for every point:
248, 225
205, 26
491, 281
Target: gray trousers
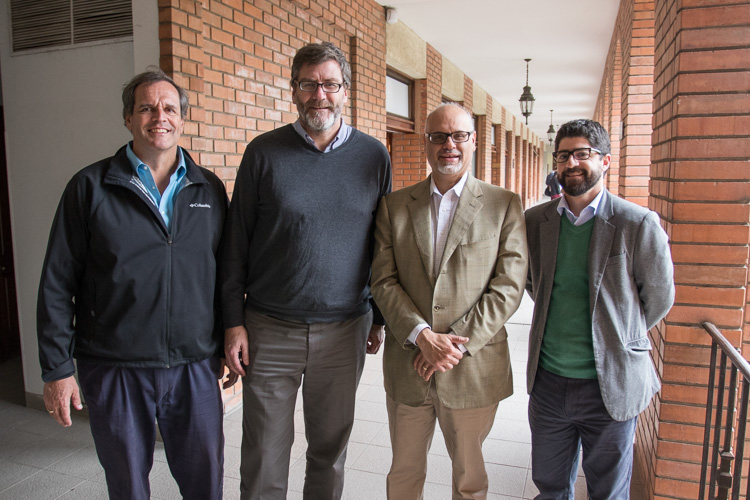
327, 359
566, 414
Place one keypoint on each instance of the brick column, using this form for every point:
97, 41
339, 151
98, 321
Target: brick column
484, 152
700, 188
637, 94
498, 164
614, 125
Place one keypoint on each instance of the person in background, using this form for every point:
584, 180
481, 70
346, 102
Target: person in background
553, 189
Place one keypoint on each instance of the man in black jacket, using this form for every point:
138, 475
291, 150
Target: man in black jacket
128, 289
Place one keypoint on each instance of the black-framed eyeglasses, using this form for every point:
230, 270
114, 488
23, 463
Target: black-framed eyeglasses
579, 154
328, 87
441, 137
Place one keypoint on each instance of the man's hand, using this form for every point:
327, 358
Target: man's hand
58, 396
438, 350
236, 349
231, 377
377, 334
423, 368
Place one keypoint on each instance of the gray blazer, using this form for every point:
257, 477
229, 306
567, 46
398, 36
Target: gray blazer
631, 288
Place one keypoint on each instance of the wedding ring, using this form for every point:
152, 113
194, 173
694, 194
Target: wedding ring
51, 411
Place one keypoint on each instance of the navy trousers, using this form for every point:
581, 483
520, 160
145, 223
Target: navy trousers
124, 404
565, 414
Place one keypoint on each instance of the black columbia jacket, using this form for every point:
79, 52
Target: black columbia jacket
117, 288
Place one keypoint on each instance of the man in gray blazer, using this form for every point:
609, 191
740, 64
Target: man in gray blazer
601, 276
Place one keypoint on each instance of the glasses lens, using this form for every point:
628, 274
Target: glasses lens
437, 137
582, 154
460, 136
308, 86
331, 87
561, 156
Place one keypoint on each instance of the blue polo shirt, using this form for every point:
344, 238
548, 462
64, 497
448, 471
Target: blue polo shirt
164, 202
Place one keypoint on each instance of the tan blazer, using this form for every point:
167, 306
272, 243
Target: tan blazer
479, 286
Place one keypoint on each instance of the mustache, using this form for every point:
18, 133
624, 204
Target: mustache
318, 105
571, 171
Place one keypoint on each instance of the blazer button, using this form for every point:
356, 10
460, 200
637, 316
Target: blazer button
436, 308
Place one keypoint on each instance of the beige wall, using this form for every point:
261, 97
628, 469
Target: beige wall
407, 52
453, 81
56, 125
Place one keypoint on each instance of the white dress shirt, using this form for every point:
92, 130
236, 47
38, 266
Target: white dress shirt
443, 209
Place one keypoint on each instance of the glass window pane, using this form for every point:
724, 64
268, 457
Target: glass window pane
397, 97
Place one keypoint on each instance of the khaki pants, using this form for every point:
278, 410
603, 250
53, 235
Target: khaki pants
411, 436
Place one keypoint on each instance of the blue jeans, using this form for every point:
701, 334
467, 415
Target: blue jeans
124, 404
565, 413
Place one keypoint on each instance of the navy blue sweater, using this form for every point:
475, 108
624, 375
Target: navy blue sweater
298, 238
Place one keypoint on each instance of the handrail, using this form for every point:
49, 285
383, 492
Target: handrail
734, 355
722, 479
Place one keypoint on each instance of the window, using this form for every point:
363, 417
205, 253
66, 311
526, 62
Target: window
399, 103
52, 23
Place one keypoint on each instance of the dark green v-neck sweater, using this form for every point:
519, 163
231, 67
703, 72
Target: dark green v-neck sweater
567, 346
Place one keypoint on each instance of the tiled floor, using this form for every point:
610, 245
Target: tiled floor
40, 460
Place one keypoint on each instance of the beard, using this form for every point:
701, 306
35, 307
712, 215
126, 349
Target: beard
318, 116
576, 186
450, 169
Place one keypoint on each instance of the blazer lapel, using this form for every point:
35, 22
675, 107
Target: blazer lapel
469, 205
550, 234
421, 219
600, 247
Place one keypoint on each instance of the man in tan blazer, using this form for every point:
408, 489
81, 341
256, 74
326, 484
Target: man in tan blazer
449, 270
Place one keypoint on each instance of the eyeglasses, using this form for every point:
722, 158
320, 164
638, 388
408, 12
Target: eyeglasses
441, 137
328, 87
579, 154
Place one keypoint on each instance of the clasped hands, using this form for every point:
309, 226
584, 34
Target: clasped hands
437, 352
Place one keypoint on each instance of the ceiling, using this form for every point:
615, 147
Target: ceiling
567, 41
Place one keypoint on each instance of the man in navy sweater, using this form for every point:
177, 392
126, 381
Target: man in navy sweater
295, 267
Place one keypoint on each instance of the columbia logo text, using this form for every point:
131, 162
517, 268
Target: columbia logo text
200, 205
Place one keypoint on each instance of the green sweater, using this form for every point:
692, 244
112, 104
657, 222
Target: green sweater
567, 347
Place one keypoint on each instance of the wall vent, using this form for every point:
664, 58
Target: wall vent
53, 23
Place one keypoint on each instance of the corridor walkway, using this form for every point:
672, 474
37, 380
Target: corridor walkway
40, 460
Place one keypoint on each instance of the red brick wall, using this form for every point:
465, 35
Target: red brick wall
700, 187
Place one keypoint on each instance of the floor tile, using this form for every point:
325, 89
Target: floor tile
42, 485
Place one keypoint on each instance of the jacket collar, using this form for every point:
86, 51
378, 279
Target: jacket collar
119, 170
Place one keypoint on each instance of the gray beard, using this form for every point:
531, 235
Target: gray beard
314, 120
449, 170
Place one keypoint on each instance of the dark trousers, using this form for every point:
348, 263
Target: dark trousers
327, 360
564, 414
123, 405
